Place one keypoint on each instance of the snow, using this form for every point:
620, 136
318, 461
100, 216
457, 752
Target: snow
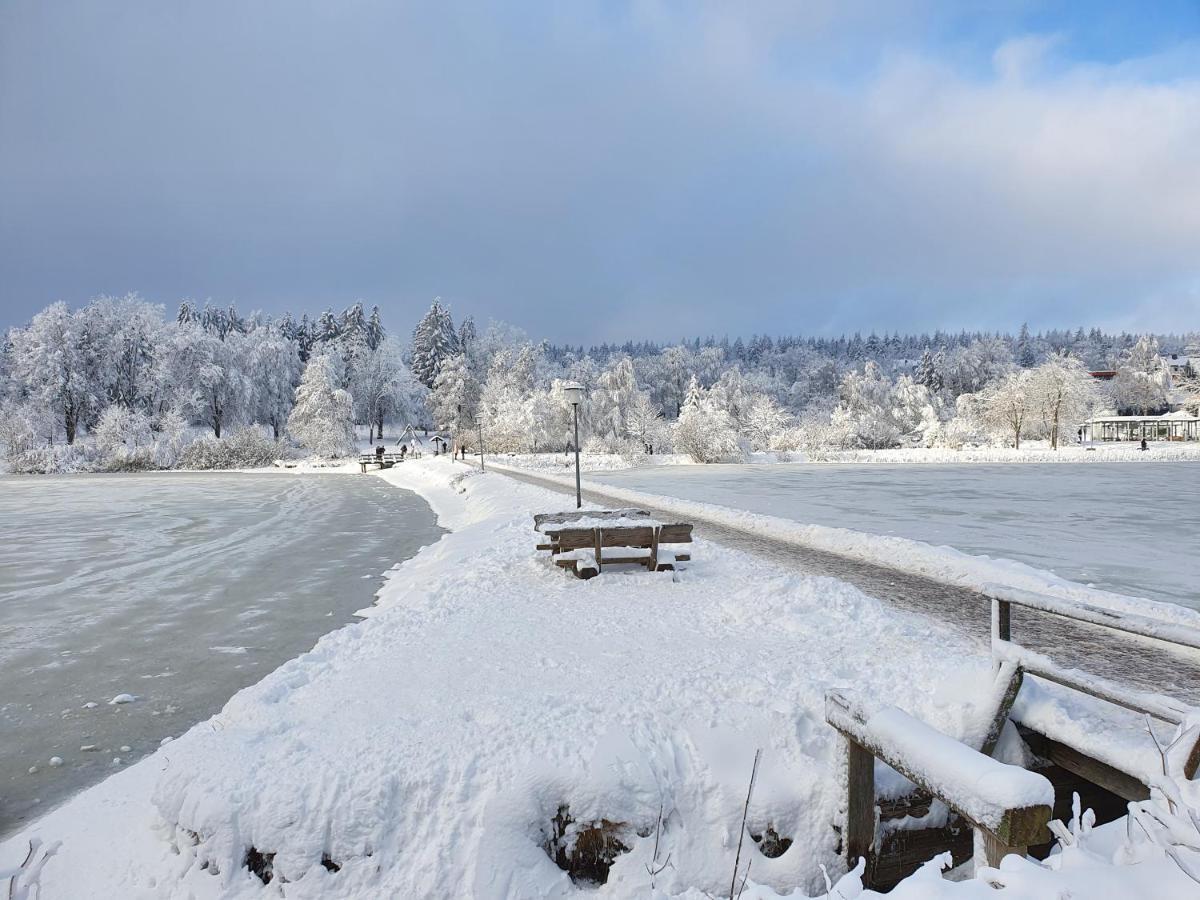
426, 750
1078, 533
122, 698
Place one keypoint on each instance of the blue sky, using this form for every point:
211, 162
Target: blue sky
597, 170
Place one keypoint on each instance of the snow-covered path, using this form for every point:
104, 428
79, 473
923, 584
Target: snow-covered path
1149, 666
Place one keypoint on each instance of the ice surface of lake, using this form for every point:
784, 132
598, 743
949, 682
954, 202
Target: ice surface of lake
1133, 528
178, 589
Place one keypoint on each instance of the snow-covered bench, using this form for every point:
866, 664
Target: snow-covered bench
577, 540
1008, 807
384, 461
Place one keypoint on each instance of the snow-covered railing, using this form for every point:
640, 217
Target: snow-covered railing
1009, 807
1004, 598
1009, 656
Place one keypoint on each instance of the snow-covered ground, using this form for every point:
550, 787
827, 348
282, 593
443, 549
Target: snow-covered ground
426, 752
175, 589
1127, 528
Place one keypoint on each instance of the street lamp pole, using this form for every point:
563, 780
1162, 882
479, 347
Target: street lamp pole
479, 422
574, 394
578, 492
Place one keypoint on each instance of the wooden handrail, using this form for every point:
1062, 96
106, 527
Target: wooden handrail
1130, 623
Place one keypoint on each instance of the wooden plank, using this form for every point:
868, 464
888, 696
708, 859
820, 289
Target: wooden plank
618, 536
859, 836
675, 533
1112, 780
1005, 688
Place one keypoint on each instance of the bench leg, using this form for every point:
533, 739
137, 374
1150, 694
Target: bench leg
860, 805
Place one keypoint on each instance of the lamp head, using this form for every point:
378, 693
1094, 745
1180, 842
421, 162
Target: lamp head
574, 392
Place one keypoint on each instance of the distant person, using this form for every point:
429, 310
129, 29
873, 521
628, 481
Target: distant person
1144, 447
403, 451
1081, 435
379, 453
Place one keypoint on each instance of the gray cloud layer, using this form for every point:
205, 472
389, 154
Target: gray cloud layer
591, 171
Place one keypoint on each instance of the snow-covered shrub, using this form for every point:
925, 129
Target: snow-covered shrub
705, 432
26, 432
123, 440
322, 419
763, 422
171, 439
245, 448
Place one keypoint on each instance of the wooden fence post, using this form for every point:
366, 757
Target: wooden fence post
860, 804
1001, 626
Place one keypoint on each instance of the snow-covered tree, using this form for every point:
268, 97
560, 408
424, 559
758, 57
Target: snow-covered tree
1009, 404
765, 420
273, 371
384, 389
610, 401
1143, 381
969, 369
644, 423
693, 396
322, 418
434, 341
209, 377
455, 397
55, 361
705, 432
128, 334
865, 408
928, 373
1062, 391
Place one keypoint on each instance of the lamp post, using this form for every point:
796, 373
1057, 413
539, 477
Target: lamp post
479, 424
574, 392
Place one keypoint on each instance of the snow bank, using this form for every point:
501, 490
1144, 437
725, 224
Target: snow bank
427, 751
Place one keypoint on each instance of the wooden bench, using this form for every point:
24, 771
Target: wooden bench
888, 859
578, 540
1008, 807
386, 461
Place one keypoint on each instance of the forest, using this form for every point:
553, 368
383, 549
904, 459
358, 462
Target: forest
118, 385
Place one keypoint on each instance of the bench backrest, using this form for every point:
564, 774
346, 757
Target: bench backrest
568, 538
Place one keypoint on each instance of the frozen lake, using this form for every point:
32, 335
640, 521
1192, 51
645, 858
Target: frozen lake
1133, 528
177, 589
